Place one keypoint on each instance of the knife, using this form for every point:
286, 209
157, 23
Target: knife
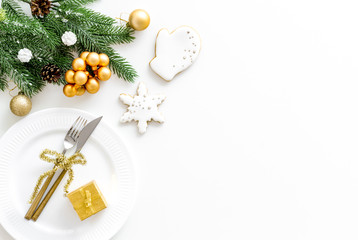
86, 133
82, 139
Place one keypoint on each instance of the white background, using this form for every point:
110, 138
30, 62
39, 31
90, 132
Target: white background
261, 133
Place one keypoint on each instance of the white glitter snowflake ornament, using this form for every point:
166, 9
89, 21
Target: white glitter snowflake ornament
69, 38
24, 55
142, 107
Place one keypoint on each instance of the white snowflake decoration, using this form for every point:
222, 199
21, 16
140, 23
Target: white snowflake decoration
69, 38
24, 55
142, 107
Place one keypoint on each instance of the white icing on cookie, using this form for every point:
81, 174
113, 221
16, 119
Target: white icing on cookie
142, 107
175, 52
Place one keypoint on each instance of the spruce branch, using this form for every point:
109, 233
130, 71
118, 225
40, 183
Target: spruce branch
84, 16
13, 9
95, 32
3, 83
113, 34
119, 65
75, 2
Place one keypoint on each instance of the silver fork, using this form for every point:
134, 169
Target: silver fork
68, 144
72, 135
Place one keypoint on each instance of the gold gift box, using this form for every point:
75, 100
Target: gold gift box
87, 200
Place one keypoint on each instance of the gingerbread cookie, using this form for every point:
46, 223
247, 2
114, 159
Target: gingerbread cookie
142, 107
175, 52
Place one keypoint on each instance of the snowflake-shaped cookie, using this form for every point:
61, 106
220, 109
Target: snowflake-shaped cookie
142, 107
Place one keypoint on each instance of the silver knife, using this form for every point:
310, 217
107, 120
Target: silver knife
82, 139
86, 133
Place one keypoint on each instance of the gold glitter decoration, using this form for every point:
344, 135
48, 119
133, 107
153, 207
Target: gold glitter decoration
60, 161
20, 105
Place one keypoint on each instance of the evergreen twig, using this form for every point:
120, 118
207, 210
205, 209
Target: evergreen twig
95, 32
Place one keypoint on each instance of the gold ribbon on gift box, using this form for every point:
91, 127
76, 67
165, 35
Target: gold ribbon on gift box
88, 201
60, 161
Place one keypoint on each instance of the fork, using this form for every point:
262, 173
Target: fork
68, 144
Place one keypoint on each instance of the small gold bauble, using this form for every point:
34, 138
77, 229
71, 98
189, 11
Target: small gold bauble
103, 60
78, 64
80, 90
69, 76
69, 90
139, 19
80, 78
20, 105
84, 55
92, 59
104, 73
92, 85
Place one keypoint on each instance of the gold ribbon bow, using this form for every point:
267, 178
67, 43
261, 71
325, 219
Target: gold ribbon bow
60, 161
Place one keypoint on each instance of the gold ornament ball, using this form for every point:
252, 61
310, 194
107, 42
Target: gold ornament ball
69, 90
84, 55
80, 90
103, 60
80, 78
104, 73
69, 76
78, 64
92, 59
139, 19
92, 85
20, 105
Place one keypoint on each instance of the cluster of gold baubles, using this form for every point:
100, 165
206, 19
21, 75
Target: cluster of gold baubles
79, 79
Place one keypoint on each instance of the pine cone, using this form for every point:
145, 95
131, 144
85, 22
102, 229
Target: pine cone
40, 8
50, 73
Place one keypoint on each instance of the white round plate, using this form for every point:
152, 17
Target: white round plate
107, 163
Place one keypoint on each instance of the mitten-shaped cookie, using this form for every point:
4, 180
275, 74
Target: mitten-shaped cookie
175, 52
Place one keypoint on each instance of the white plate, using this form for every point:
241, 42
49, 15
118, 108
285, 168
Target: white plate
107, 163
